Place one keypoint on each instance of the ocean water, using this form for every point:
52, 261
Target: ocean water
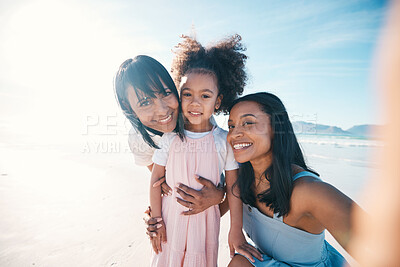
345, 162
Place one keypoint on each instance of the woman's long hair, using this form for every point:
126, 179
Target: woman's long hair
285, 152
146, 75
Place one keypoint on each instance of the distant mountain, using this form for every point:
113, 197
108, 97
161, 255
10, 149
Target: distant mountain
366, 130
301, 127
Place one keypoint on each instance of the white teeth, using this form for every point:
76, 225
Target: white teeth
241, 145
166, 119
195, 113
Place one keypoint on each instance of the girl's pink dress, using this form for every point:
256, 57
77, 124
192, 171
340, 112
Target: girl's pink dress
191, 240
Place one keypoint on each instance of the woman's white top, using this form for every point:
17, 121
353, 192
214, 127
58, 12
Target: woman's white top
142, 152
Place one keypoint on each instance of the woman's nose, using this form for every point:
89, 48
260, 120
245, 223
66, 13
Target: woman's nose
161, 107
237, 132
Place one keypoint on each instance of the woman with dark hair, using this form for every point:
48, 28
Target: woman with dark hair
287, 207
149, 99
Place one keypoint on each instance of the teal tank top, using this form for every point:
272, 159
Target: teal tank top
284, 245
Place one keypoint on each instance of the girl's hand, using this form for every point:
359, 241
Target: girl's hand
237, 241
165, 189
199, 200
152, 225
161, 237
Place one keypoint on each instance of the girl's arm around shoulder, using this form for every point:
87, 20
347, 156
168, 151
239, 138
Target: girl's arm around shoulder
325, 204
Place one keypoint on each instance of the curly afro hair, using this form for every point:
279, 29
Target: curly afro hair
225, 60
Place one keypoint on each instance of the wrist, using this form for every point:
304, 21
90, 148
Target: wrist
236, 226
155, 213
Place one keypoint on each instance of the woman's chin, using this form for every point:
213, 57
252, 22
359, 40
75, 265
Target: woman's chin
240, 159
166, 128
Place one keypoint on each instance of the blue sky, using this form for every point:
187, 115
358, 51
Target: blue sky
58, 58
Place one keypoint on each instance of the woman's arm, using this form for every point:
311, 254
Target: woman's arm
236, 239
329, 206
235, 203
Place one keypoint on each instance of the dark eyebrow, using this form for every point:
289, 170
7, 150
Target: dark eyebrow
246, 115
202, 90
207, 90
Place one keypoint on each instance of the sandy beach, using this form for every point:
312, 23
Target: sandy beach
82, 204
75, 208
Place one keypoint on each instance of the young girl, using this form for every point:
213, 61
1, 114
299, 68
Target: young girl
210, 79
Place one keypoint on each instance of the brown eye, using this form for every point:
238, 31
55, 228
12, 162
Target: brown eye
246, 123
145, 102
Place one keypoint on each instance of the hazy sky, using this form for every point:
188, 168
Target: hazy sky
58, 58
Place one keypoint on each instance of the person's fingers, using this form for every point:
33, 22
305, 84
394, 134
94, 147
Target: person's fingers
151, 234
152, 220
158, 243
190, 212
253, 251
184, 203
165, 189
164, 237
153, 244
153, 227
188, 190
191, 207
203, 181
231, 251
159, 181
184, 195
245, 252
163, 234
